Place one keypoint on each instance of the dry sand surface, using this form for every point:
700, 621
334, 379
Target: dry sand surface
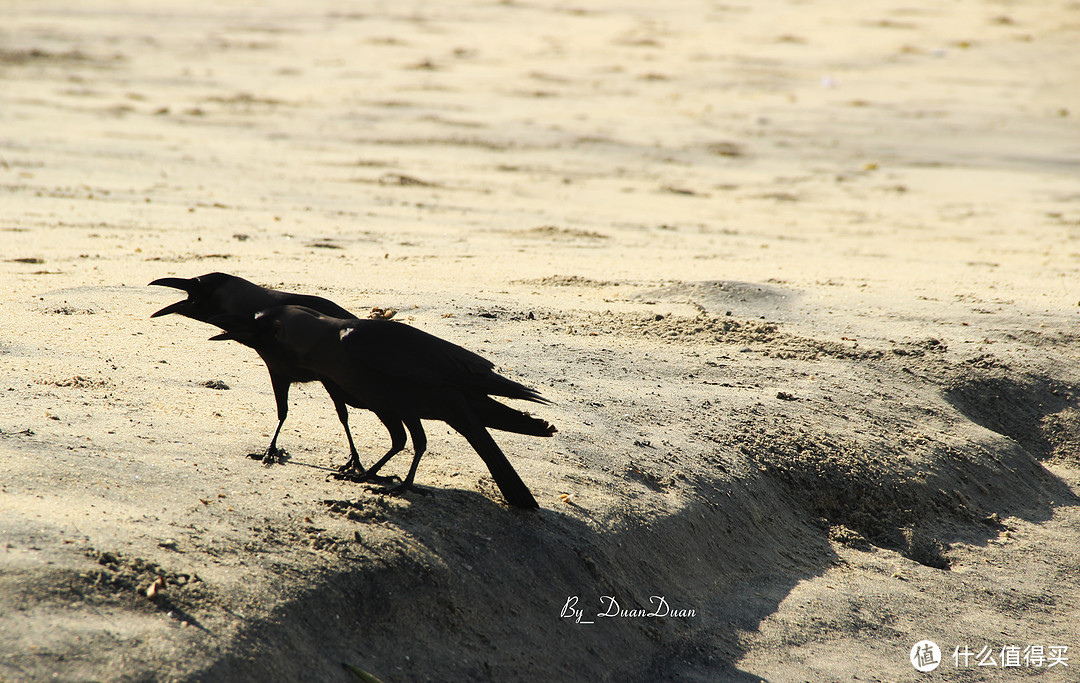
800, 277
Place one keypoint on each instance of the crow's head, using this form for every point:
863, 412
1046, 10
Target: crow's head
203, 301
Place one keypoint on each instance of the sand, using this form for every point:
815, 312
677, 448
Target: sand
800, 278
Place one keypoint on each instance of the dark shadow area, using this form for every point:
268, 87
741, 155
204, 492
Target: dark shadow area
871, 492
1014, 404
478, 592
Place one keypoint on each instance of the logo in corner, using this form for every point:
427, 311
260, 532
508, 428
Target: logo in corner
925, 656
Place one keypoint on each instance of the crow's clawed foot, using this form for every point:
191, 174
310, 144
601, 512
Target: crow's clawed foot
350, 472
380, 479
360, 476
352, 467
270, 455
400, 489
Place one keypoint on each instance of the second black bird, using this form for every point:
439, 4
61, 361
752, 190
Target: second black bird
403, 375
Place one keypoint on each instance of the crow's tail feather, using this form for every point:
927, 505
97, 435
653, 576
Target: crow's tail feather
495, 415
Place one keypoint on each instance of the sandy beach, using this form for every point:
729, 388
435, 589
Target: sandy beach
800, 279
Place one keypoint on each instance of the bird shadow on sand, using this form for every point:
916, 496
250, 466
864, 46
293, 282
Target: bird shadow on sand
375, 484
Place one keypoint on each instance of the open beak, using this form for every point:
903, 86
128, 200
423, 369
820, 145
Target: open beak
186, 284
236, 327
178, 307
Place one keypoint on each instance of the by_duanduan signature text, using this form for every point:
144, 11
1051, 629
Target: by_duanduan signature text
611, 609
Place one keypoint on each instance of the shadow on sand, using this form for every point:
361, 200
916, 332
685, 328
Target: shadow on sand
470, 590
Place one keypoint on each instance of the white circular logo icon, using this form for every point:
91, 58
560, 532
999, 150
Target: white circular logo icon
925, 655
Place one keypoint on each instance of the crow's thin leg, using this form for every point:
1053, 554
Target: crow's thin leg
281, 396
416, 430
397, 441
